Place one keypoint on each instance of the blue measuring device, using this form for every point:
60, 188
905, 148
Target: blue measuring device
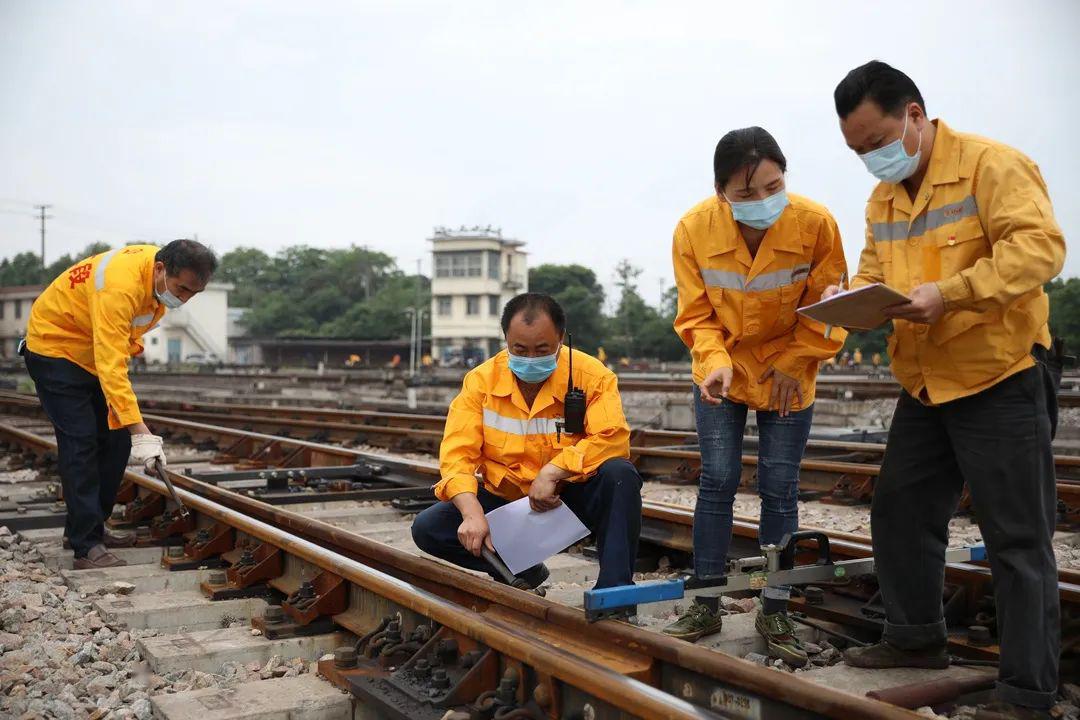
775, 566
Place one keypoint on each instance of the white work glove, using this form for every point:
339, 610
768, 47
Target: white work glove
146, 449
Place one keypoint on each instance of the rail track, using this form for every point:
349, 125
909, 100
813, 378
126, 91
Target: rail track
833, 471
492, 648
276, 467
838, 386
667, 526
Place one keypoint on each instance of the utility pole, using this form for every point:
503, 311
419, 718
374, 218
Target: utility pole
419, 318
412, 313
43, 217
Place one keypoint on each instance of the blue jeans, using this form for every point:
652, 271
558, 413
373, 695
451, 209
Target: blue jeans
720, 434
91, 457
608, 503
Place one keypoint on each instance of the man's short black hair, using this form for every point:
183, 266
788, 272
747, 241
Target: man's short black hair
188, 255
531, 304
880, 83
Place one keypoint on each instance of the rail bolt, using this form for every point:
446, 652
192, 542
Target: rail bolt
273, 614
814, 595
422, 669
345, 657
506, 694
217, 578
542, 696
175, 551
440, 679
447, 650
979, 635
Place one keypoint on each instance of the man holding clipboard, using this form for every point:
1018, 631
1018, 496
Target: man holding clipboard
963, 226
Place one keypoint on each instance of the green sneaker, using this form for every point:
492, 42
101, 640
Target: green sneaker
696, 622
779, 633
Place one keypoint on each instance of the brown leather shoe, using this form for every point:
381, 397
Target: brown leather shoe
112, 539
98, 557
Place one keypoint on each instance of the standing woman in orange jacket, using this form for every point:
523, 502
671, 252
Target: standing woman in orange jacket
745, 259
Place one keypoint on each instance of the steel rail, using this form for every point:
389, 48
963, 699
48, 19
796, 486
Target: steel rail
424, 429
358, 560
839, 387
308, 453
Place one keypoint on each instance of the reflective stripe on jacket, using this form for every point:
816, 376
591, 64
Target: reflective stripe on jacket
982, 228
95, 314
738, 311
490, 429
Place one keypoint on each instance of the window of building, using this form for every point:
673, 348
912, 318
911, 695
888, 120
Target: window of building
2, 304
153, 341
18, 309
459, 264
472, 304
444, 304
493, 306
493, 265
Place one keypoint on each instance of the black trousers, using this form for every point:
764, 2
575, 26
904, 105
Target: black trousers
608, 503
999, 442
92, 458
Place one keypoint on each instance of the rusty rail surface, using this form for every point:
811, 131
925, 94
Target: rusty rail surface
425, 430
611, 666
835, 471
245, 448
841, 387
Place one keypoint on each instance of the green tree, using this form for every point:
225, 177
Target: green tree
637, 329
575, 288
23, 269
1065, 311
869, 342
247, 269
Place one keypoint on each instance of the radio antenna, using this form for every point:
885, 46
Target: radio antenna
570, 377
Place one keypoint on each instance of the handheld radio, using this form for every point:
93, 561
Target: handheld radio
573, 403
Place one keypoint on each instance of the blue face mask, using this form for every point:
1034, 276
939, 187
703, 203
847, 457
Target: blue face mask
760, 214
891, 163
167, 299
533, 369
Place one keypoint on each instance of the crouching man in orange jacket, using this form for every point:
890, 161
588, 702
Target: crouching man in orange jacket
82, 331
502, 426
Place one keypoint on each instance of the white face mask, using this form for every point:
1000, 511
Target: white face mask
166, 298
891, 163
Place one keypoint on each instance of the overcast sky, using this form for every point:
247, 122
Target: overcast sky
584, 129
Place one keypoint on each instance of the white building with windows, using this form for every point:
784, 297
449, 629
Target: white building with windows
195, 332
15, 302
476, 271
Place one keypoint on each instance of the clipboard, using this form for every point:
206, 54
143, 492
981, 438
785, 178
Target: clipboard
859, 309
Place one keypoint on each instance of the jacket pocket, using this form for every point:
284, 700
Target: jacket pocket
769, 348
957, 322
961, 246
789, 303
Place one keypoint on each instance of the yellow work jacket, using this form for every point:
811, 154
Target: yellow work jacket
982, 228
738, 311
95, 315
490, 429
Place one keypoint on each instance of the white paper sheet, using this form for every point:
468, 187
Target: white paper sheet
524, 538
